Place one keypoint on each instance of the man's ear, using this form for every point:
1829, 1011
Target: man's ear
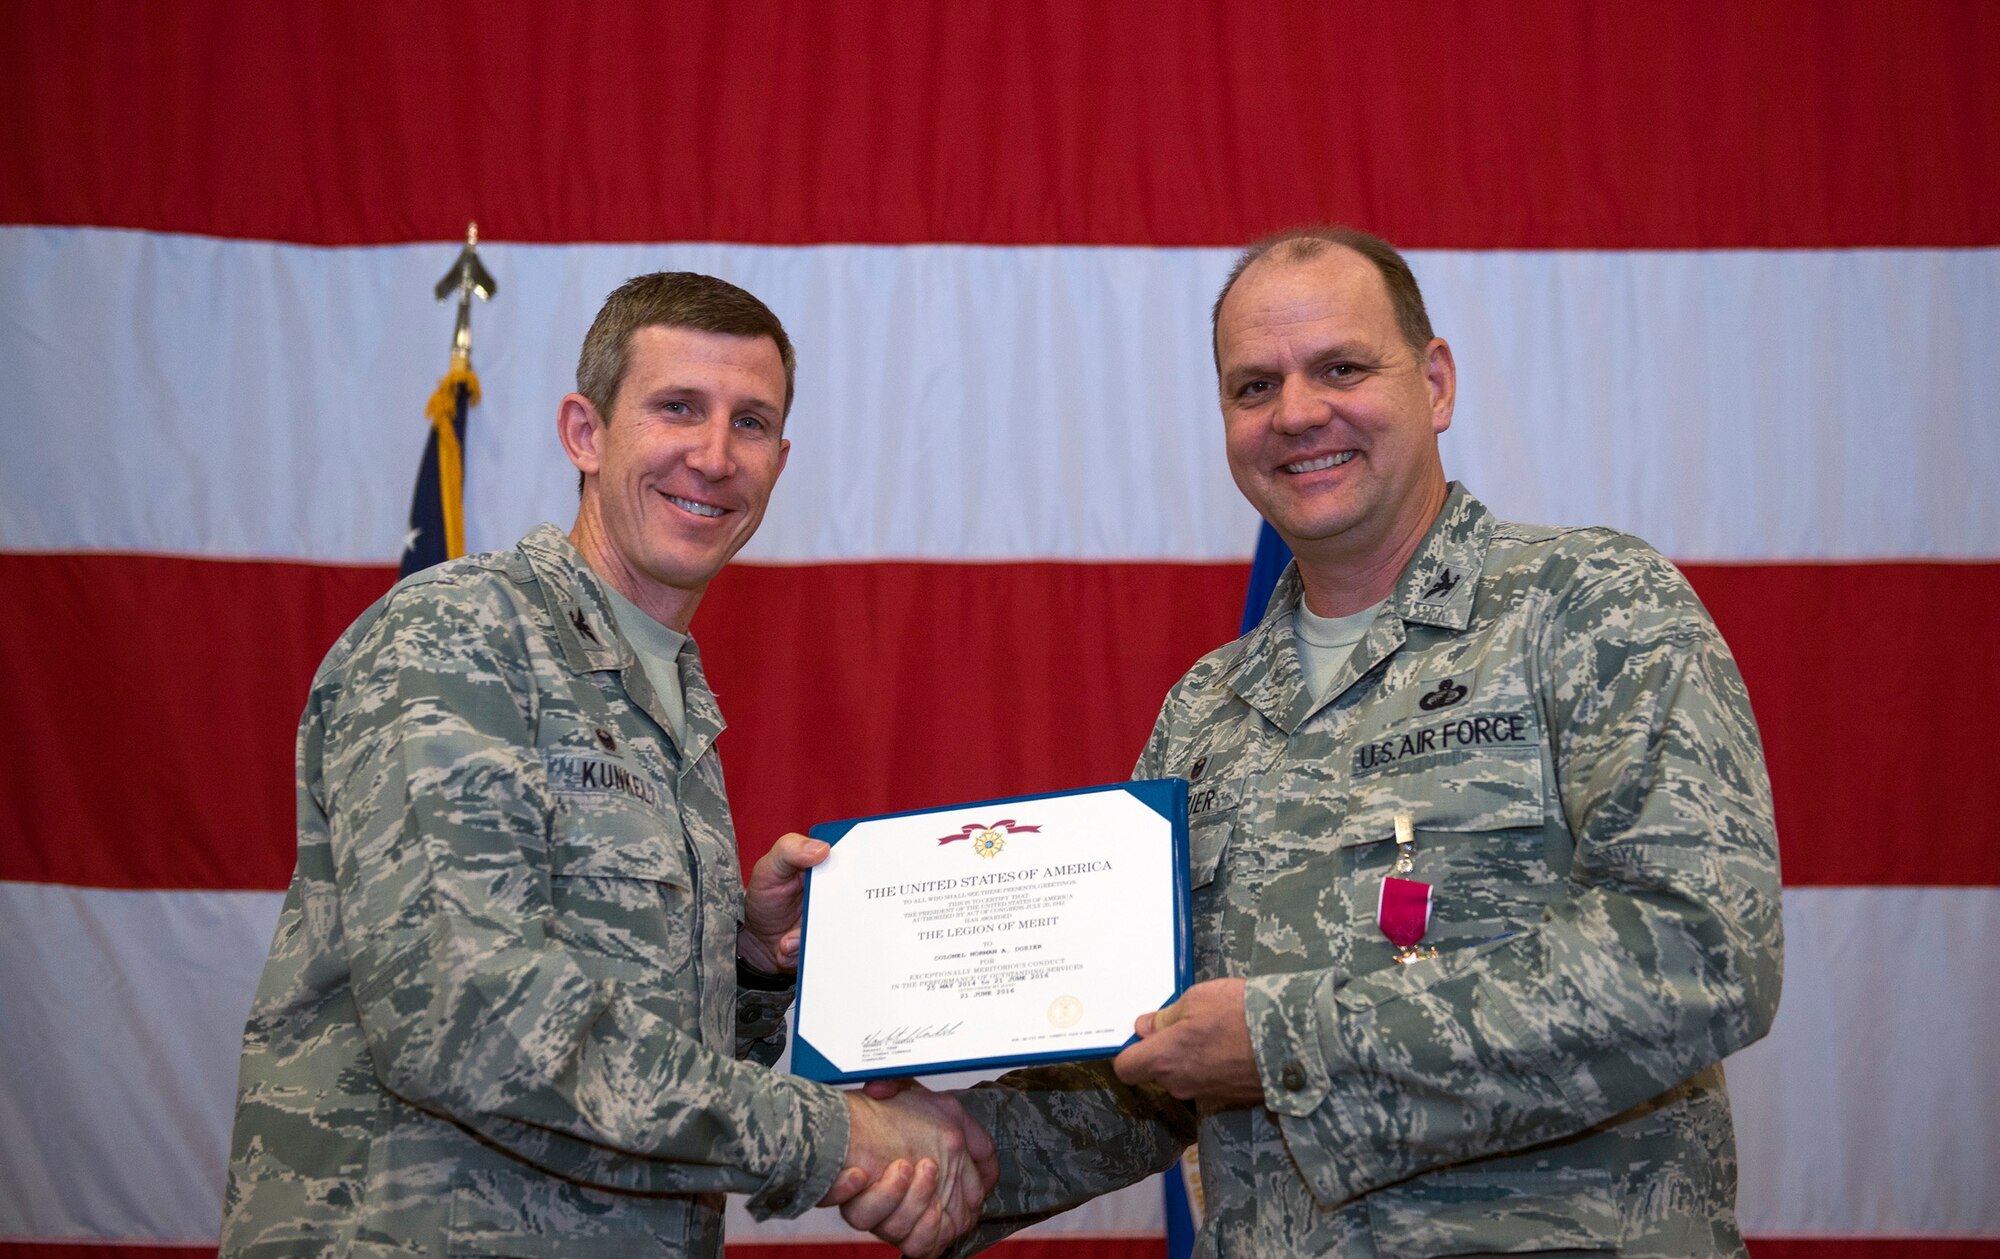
581, 432
1441, 373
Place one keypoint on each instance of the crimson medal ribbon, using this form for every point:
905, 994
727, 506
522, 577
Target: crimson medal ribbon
1403, 911
973, 828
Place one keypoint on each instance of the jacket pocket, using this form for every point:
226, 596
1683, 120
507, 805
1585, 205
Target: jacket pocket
1479, 844
621, 888
1497, 1213
1491, 789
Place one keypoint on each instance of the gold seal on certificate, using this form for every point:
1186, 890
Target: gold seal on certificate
1033, 929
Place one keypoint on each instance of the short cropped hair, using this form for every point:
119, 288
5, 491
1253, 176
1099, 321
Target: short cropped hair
1301, 244
670, 299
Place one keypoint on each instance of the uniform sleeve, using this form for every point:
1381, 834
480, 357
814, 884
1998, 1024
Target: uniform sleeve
438, 809
1067, 1134
1661, 955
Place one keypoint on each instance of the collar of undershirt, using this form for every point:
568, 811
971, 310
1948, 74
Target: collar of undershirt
647, 636
1335, 631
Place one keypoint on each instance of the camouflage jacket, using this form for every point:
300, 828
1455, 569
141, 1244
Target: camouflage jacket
1557, 713
501, 1013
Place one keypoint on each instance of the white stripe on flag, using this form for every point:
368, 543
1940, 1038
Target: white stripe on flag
1869, 1112
121, 1019
223, 398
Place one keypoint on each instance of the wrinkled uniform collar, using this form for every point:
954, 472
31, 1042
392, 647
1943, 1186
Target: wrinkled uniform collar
1435, 589
579, 604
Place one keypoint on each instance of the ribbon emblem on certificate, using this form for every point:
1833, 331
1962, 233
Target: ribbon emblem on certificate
988, 841
1403, 909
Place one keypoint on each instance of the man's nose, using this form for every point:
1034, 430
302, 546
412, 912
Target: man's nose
710, 454
1299, 410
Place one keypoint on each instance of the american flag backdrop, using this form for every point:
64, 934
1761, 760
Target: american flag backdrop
1726, 275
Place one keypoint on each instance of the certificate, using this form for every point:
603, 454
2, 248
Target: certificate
1032, 929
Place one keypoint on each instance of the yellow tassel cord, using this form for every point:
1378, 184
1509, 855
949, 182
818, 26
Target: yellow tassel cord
442, 409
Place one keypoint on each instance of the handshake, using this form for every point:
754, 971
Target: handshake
918, 1167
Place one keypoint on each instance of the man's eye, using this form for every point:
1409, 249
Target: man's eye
1254, 388
676, 408
1342, 370
754, 422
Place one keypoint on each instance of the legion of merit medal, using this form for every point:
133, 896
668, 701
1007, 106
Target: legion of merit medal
1403, 908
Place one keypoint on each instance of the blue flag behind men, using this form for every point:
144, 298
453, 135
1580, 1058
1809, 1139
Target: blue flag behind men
1265, 569
437, 506
1183, 1185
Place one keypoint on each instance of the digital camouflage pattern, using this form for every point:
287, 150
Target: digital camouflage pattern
1560, 717
501, 1013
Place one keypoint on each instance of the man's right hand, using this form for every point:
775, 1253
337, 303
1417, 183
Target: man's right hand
918, 1168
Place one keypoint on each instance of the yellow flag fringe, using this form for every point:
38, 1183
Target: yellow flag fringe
442, 410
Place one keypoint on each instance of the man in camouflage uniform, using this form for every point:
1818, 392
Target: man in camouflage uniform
1565, 732
518, 1003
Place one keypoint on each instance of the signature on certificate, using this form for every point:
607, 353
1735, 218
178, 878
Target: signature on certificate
897, 1037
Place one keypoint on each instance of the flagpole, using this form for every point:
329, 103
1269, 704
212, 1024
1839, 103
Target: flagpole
466, 278
437, 509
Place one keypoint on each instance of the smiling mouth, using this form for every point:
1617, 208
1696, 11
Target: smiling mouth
1323, 462
689, 505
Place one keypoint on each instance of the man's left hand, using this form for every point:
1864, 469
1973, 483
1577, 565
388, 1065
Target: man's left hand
1197, 1048
769, 940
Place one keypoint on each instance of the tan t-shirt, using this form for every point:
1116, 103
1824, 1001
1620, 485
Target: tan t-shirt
659, 649
1325, 642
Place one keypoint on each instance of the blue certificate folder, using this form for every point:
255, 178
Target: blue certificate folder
969, 823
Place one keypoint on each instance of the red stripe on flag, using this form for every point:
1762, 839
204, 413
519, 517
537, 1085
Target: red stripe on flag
148, 707
1536, 124
1858, 676
870, 688
1874, 1247
862, 688
1111, 1248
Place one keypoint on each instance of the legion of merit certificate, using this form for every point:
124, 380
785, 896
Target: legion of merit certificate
989, 935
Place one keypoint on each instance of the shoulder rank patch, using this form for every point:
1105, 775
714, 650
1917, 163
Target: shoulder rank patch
1439, 591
